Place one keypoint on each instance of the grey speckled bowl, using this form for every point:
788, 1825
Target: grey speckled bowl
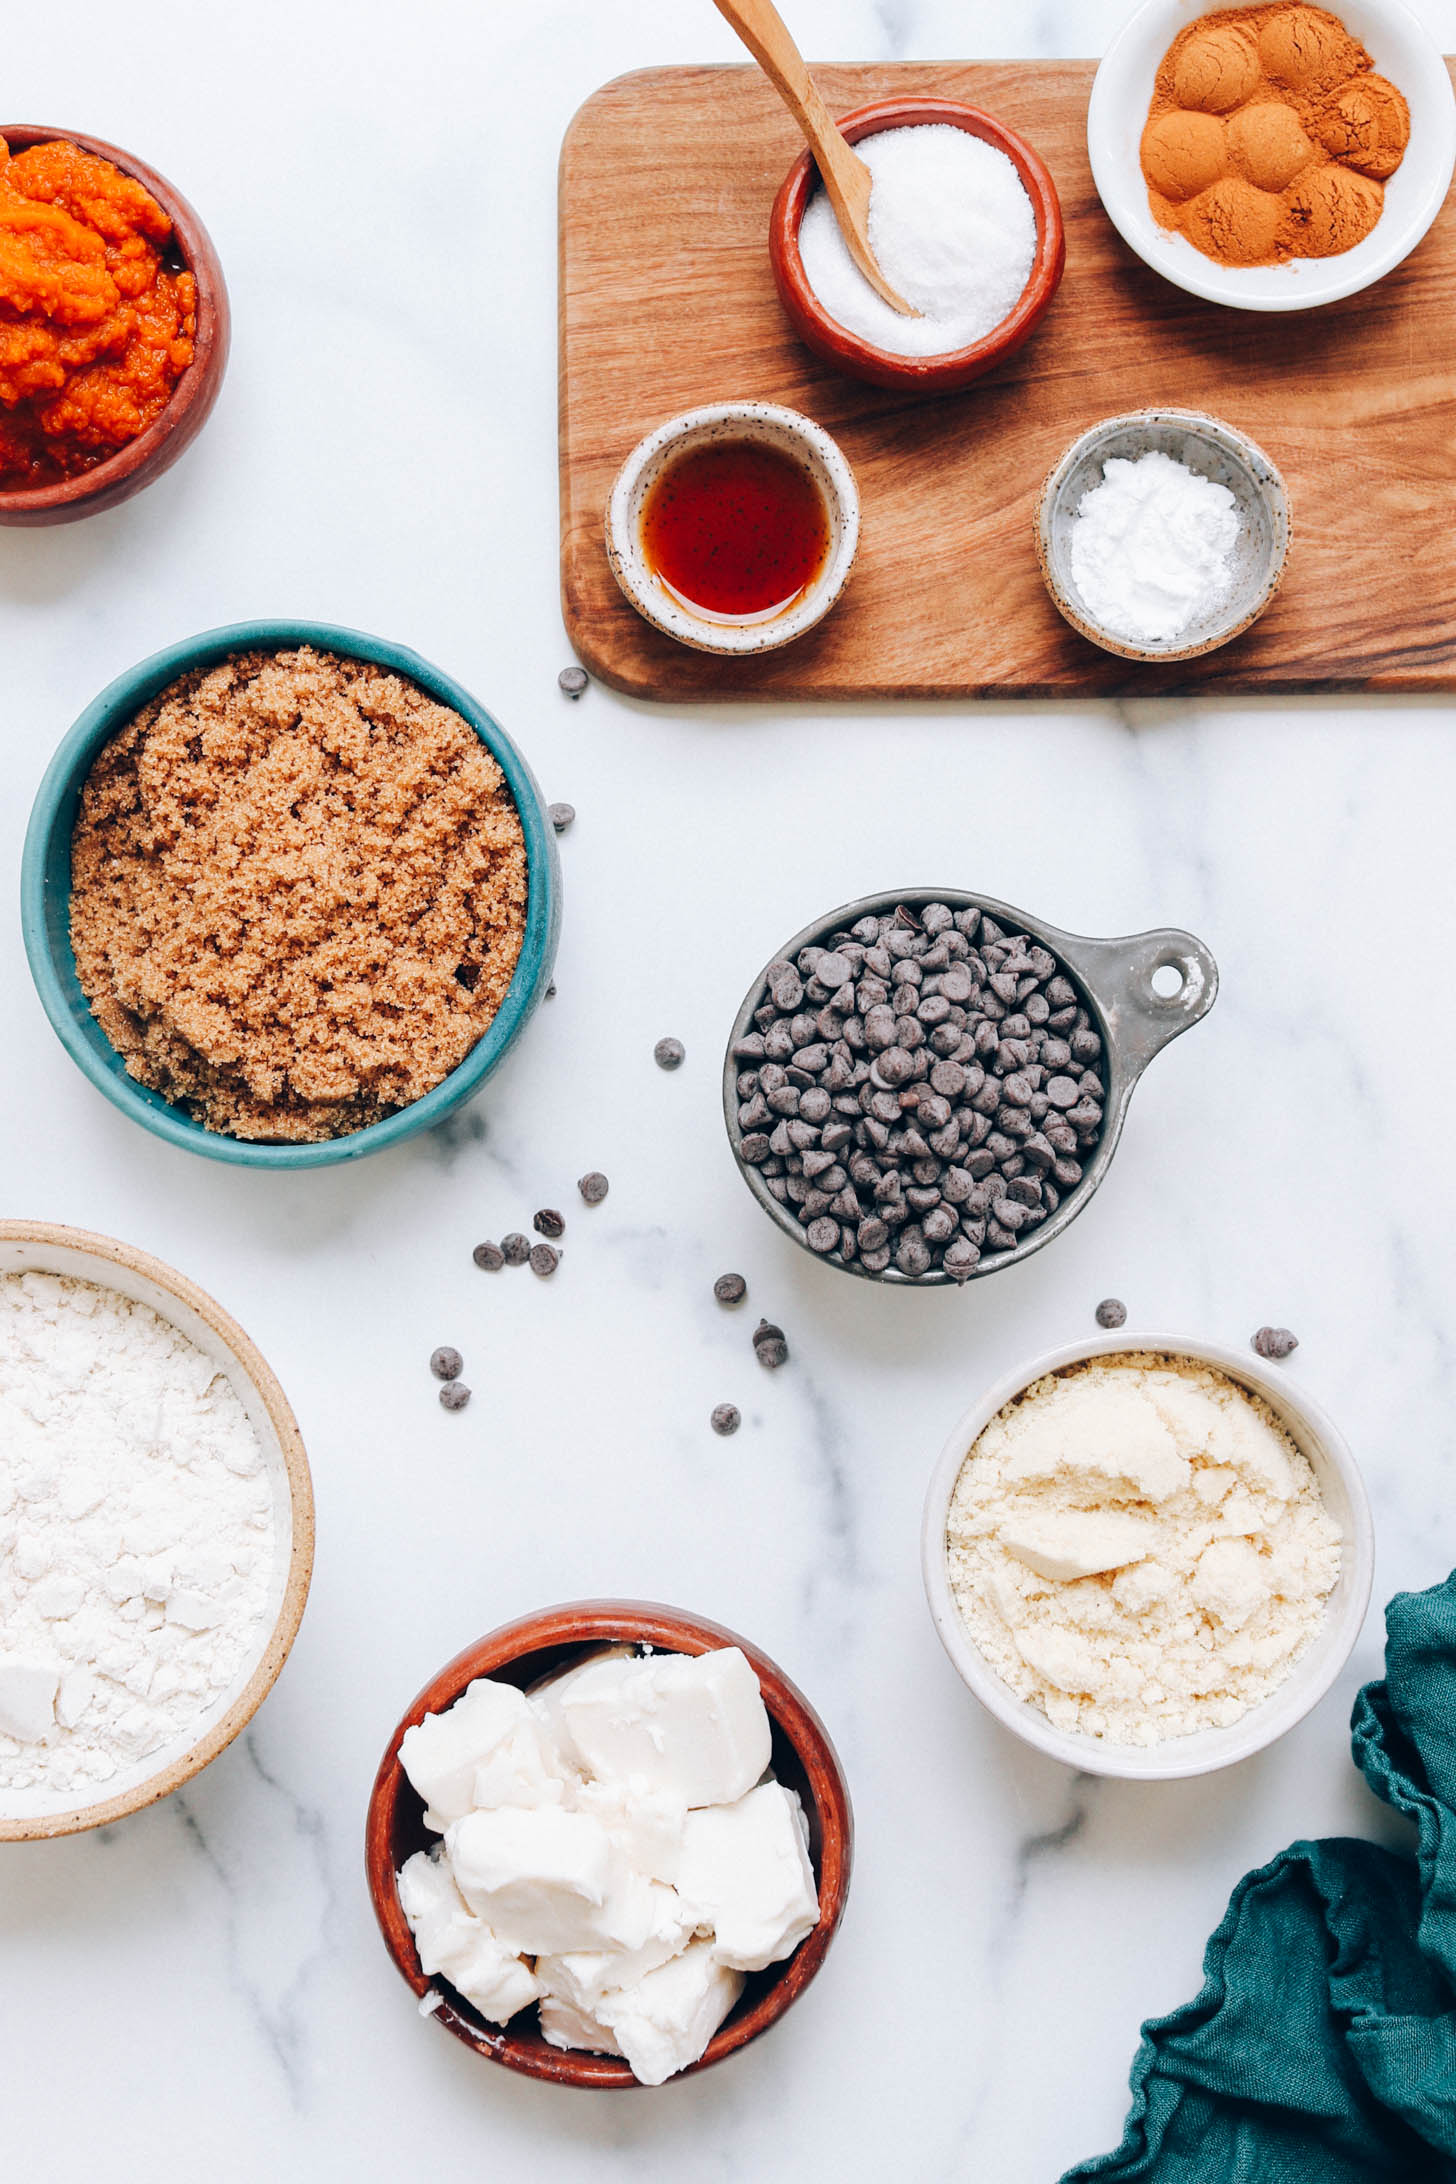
1215, 450
786, 429
1141, 992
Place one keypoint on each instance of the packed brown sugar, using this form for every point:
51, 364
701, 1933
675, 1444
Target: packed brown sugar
96, 328
298, 892
1270, 137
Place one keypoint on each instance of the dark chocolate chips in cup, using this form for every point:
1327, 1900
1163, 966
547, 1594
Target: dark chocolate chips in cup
921, 1092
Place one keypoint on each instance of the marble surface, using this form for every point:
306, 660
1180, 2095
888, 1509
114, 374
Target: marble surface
202, 1988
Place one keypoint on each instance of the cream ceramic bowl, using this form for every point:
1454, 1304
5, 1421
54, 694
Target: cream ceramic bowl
785, 429
1118, 111
1315, 1670
1215, 450
30, 1246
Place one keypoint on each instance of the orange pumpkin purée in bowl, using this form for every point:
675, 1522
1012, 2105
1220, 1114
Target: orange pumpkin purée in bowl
97, 318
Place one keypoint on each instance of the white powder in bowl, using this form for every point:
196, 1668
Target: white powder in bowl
1152, 547
952, 229
1138, 1547
139, 1554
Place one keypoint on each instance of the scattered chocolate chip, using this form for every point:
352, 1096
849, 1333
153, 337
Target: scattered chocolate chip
668, 1053
769, 1345
550, 994
730, 1289
1275, 1342
490, 1256
515, 1248
1111, 1312
573, 680
561, 816
544, 1259
454, 1395
594, 1187
548, 1222
445, 1364
726, 1419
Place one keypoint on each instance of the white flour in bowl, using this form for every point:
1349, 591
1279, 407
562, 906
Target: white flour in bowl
138, 1543
1137, 1546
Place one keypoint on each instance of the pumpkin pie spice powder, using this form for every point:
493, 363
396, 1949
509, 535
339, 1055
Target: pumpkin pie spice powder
298, 893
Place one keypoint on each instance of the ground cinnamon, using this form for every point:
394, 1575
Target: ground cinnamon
1270, 136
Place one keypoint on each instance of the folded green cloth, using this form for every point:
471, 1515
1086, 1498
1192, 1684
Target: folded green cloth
1322, 2049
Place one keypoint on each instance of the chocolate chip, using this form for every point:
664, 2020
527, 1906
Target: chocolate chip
490, 1256
730, 1289
561, 816
594, 1187
445, 1364
668, 1053
769, 1345
572, 680
515, 1248
544, 1260
1275, 1342
548, 1222
1111, 1312
726, 1419
454, 1395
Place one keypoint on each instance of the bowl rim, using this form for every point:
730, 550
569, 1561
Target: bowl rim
592, 1624
70, 1015
1204, 277
1206, 1750
110, 1251
191, 401
950, 368
734, 639
1265, 476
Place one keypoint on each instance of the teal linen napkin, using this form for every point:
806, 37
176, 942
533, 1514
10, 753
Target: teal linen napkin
1322, 2049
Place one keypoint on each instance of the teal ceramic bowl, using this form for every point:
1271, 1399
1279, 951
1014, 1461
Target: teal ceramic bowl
45, 896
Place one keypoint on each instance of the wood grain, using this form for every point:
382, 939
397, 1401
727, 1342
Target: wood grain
667, 300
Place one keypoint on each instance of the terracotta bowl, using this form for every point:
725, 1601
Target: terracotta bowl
156, 449
522, 1653
956, 367
27, 1246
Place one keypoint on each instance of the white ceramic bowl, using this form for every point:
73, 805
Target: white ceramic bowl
1314, 1671
782, 428
30, 1245
1118, 111
1215, 450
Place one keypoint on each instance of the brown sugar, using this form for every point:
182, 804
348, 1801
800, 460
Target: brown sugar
1270, 136
298, 893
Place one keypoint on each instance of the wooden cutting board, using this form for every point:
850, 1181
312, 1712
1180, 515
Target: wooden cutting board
667, 301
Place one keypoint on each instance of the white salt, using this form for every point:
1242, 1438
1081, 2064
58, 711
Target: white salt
952, 228
1152, 548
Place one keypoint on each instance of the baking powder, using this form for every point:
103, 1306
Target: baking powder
1152, 548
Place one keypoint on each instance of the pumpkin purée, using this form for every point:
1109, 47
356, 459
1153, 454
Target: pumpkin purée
96, 328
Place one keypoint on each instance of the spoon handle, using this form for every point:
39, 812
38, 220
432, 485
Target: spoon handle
845, 176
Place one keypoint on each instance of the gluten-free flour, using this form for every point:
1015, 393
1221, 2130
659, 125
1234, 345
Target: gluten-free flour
137, 1537
1138, 1547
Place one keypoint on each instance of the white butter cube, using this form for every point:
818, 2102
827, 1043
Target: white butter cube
581, 1977
745, 1871
692, 1725
1063, 1544
547, 1881
452, 1941
27, 1699
664, 2022
645, 1824
567, 2027
483, 1750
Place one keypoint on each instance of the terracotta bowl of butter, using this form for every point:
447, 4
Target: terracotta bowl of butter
850, 352
190, 248
541, 1645
1204, 1751
1117, 114
36, 1246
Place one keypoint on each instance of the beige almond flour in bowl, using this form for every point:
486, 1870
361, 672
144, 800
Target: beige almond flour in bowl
1148, 1556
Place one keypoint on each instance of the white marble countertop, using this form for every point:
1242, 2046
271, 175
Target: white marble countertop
201, 1990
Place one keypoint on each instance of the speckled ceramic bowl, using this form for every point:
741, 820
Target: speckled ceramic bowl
785, 429
45, 897
1215, 450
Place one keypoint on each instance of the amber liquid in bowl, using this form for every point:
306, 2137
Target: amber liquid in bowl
736, 530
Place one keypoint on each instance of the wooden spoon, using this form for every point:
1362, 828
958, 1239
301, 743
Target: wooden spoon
846, 177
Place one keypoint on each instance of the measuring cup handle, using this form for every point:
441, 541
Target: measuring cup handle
1120, 974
